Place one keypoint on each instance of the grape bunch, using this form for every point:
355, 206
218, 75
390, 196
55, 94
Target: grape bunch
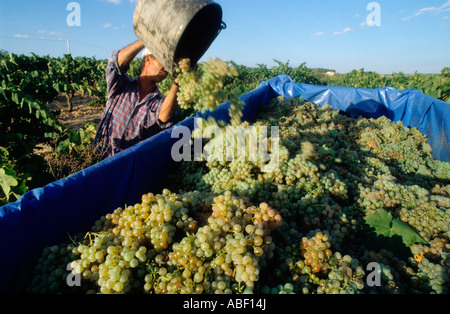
433, 262
203, 89
169, 243
51, 271
437, 275
232, 246
318, 270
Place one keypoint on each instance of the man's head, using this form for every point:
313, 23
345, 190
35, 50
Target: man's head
152, 67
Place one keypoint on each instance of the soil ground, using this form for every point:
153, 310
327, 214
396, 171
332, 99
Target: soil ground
82, 111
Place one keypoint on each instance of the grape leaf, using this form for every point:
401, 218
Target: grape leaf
381, 221
7, 181
57, 87
2, 91
15, 98
408, 235
385, 225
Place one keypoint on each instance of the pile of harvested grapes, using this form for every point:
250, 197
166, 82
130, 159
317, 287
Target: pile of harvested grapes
353, 206
348, 193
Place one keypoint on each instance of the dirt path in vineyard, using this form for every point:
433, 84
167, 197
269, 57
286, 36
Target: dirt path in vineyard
81, 114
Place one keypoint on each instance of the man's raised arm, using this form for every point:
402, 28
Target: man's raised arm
127, 54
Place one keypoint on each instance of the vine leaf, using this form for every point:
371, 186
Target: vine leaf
385, 225
7, 181
381, 221
409, 236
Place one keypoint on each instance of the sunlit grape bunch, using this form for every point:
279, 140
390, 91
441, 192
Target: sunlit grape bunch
183, 65
325, 271
169, 243
316, 251
437, 274
226, 254
203, 89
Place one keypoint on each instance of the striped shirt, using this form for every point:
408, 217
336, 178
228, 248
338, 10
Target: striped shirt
127, 120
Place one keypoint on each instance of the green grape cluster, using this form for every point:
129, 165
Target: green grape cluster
287, 288
321, 271
169, 243
434, 264
203, 89
437, 275
119, 244
50, 273
395, 143
436, 250
236, 108
228, 251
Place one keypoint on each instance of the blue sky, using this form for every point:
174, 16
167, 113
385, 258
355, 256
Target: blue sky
412, 36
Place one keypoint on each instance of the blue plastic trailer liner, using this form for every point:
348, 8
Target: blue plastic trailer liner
46, 216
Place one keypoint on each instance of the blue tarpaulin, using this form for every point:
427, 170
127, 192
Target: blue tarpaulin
46, 216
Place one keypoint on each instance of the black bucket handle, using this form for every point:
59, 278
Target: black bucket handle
222, 27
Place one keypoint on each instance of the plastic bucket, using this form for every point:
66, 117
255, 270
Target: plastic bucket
175, 29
